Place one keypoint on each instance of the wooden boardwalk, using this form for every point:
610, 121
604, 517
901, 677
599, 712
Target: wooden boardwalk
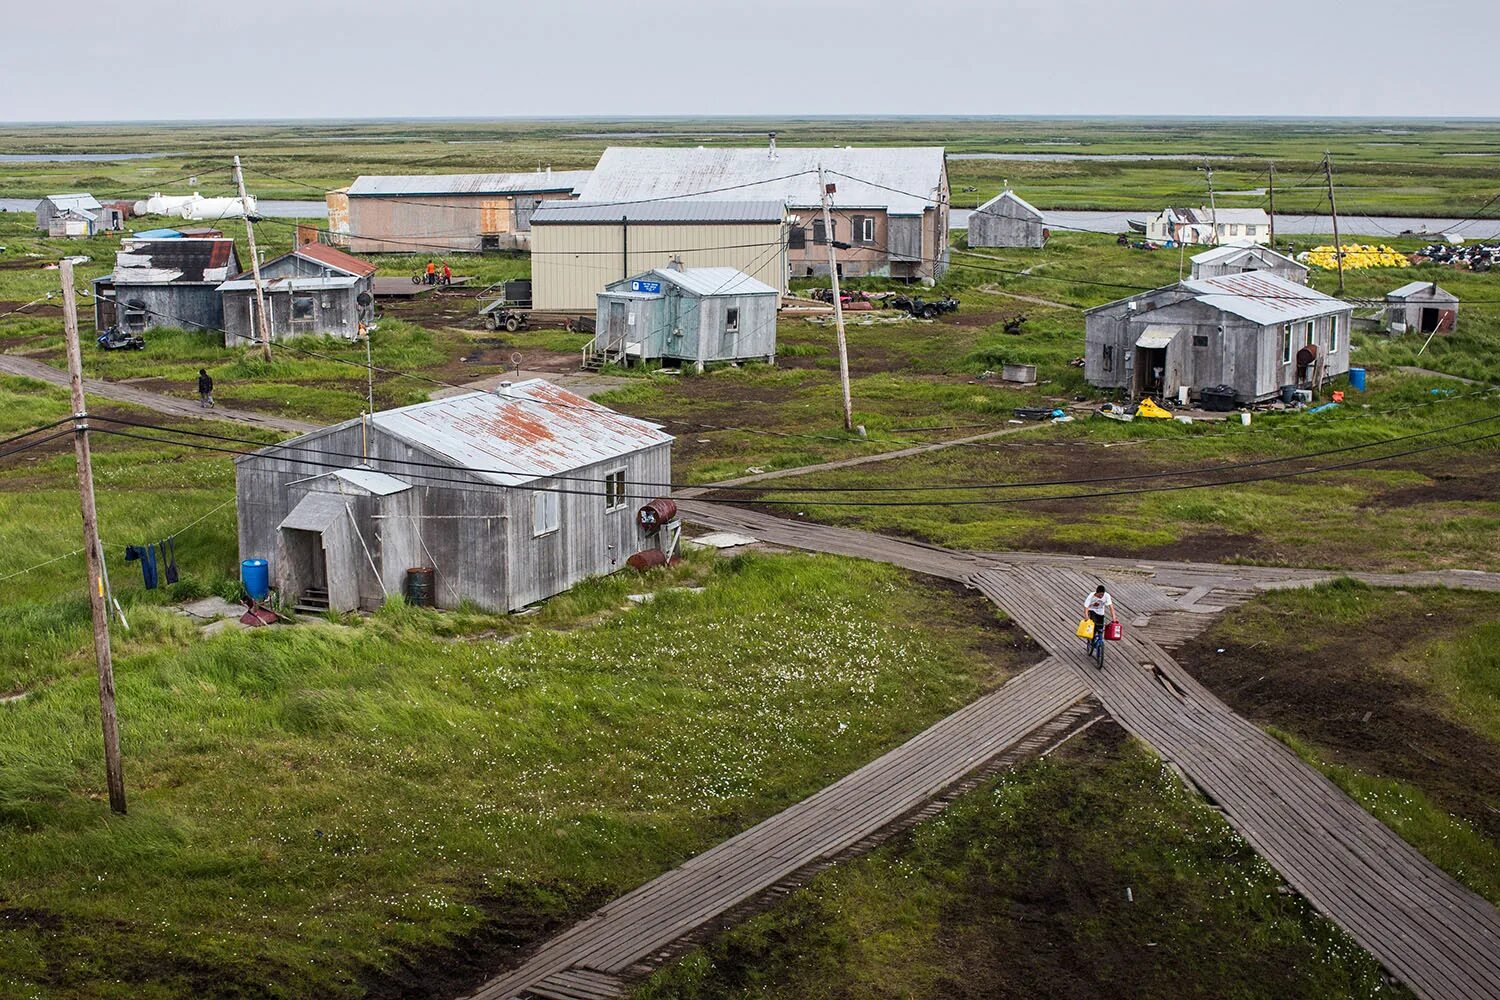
172, 406
595, 958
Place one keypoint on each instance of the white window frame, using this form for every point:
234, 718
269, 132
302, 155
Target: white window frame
1333, 336
614, 491
867, 231
1312, 332
1286, 344
546, 512
1249, 230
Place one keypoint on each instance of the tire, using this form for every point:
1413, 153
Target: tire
512, 324
416, 279
929, 312
1099, 652
492, 321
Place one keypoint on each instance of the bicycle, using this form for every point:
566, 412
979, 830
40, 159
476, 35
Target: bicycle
1094, 647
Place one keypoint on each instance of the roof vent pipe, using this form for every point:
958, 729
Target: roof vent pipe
675, 263
772, 136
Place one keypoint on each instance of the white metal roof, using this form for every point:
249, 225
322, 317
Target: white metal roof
704, 281
1412, 288
315, 512
82, 201
406, 185
1157, 335
377, 483
903, 180
290, 284
681, 210
1263, 297
528, 431
1011, 196
1230, 252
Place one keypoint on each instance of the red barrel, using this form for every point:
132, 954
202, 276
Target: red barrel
655, 514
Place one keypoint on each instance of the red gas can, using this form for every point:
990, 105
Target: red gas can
1113, 631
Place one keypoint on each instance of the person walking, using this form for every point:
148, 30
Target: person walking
205, 389
431, 273
447, 274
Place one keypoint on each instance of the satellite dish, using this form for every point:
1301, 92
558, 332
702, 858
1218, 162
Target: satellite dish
363, 298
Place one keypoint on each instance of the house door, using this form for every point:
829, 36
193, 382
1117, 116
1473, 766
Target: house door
308, 561
1430, 318
616, 322
1150, 372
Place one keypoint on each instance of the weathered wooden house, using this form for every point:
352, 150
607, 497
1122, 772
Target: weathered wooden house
1007, 220
686, 315
68, 214
438, 213
1421, 307
315, 290
890, 205
167, 282
578, 249
1256, 332
1191, 226
510, 497
1243, 258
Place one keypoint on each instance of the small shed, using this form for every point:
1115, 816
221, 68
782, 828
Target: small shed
165, 282
1256, 332
510, 497
1245, 257
73, 222
1421, 307
315, 290
1007, 220
698, 315
84, 204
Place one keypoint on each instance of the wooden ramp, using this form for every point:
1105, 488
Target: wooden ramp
1437, 937
595, 958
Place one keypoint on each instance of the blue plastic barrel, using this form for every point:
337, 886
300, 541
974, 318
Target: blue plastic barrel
1357, 379
255, 574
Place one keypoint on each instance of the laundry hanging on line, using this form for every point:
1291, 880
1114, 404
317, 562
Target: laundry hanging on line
147, 555
168, 550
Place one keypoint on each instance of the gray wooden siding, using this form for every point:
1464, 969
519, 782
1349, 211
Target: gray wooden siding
335, 312
1005, 224
181, 306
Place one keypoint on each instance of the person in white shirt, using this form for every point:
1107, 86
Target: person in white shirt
1098, 604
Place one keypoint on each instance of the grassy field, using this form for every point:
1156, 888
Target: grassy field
1429, 167
1089, 874
1395, 694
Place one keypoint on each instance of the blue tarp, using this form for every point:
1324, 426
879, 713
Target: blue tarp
159, 234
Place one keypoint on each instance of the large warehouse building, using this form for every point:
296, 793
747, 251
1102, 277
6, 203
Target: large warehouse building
578, 249
441, 213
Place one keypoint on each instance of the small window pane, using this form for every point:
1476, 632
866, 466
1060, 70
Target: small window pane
302, 307
731, 320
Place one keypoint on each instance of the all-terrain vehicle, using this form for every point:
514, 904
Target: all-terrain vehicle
920, 307
115, 339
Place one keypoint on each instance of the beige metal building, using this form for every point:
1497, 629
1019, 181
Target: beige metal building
579, 249
441, 213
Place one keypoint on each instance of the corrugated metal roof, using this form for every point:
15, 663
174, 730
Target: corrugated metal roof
289, 284
1157, 335
83, 201
377, 483
904, 180
315, 512
180, 260
1012, 197
1263, 297
681, 210
1412, 287
407, 185
529, 431
1230, 252
704, 281
321, 253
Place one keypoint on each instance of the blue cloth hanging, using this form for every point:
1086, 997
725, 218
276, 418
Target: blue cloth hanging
147, 556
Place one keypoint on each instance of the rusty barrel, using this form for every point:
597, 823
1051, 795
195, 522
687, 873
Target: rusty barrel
420, 586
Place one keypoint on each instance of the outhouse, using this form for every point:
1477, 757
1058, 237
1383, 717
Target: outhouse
1421, 307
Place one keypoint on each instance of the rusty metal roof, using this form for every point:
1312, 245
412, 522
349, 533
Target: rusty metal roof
175, 261
413, 185
521, 433
326, 255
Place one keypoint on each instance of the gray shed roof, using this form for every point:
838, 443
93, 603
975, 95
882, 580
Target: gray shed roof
1415, 287
904, 180
1229, 252
292, 284
705, 281
1014, 198
408, 185
82, 201
681, 210
315, 512
1263, 297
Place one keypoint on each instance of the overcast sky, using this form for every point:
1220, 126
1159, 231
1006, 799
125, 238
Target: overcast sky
150, 59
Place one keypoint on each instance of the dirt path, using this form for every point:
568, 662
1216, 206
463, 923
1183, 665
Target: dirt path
992, 290
1412, 370
171, 406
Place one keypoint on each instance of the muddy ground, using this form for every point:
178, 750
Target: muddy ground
1335, 686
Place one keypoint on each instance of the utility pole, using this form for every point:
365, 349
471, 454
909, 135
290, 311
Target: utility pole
1338, 248
838, 305
94, 558
1213, 208
260, 293
1271, 190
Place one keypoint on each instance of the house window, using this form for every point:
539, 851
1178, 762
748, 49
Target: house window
1286, 345
1333, 336
864, 228
1311, 337
302, 307
822, 236
1249, 230
1200, 340
614, 490
1109, 358
731, 321
546, 512
796, 238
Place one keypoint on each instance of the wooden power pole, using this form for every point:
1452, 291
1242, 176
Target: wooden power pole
260, 293
838, 304
1338, 248
1271, 190
94, 557
1213, 207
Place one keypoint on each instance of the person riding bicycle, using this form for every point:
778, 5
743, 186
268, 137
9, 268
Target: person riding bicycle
1098, 604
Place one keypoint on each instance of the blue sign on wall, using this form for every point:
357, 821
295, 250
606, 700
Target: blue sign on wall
649, 287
